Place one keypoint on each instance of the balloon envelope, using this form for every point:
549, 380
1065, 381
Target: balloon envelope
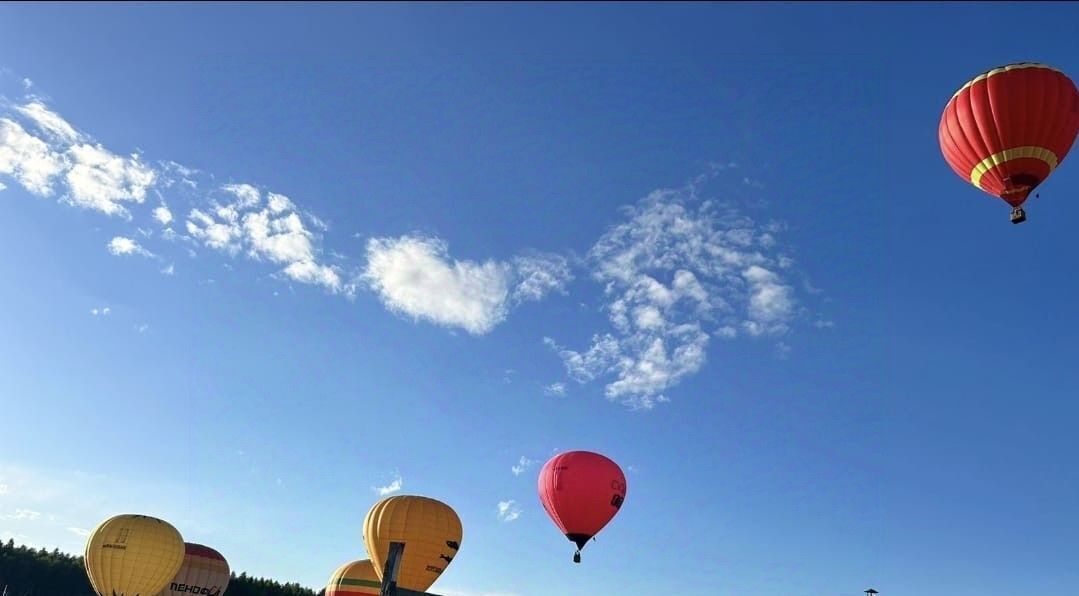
357, 577
204, 571
1007, 129
129, 555
581, 491
429, 528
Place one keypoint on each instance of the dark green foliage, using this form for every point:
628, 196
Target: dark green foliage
28, 572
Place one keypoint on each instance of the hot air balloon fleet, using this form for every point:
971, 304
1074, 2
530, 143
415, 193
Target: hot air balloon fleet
129, 555
1005, 132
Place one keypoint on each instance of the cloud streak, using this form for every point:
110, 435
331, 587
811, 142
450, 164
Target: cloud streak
121, 246
522, 464
555, 389
677, 272
415, 276
23, 514
394, 486
47, 156
508, 511
28, 159
265, 229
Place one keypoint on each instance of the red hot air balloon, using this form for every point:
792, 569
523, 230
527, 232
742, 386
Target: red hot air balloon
1007, 129
581, 491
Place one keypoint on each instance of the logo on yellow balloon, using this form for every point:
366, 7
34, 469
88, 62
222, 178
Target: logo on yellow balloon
214, 591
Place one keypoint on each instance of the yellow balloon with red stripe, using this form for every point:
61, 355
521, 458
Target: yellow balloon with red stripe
357, 577
430, 530
130, 555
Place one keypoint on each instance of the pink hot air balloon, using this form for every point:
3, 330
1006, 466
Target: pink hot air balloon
581, 491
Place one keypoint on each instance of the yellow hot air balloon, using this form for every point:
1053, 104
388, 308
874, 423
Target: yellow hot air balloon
204, 571
430, 530
132, 555
357, 577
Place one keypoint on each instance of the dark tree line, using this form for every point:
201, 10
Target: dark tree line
28, 572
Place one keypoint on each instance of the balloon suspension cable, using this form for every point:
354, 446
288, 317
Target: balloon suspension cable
577, 556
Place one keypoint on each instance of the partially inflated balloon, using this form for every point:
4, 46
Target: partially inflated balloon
357, 577
133, 555
204, 571
581, 491
430, 530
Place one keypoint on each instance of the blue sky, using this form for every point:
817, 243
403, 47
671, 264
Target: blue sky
261, 262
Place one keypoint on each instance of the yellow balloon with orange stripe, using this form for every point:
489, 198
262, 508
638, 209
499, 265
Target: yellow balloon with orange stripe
357, 577
430, 530
130, 555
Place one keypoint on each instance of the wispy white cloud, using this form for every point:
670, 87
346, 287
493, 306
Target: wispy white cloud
274, 232
265, 228
49, 122
120, 246
100, 180
508, 510
4, 489
415, 276
81, 532
162, 214
104, 311
223, 234
142, 328
170, 270
316, 221
675, 272
3, 186
771, 303
247, 196
395, 485
539, 275
28, 159
25, 514
557, 389
783, 350
522, 464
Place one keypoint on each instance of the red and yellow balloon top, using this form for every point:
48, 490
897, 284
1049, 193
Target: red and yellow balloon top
1007, 129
